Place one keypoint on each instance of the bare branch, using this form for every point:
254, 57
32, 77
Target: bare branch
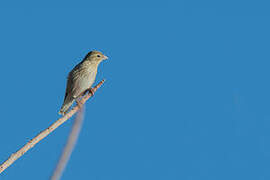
46, 132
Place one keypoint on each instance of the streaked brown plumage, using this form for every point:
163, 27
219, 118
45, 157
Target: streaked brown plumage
81, 78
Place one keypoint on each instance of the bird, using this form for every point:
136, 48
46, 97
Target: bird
81, 78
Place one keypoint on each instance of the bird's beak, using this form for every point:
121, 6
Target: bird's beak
105, 57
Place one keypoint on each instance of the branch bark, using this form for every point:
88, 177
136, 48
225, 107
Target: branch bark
46, 132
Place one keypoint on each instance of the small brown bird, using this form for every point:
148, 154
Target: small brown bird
81, 78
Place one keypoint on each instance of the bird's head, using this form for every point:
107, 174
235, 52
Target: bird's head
95, 56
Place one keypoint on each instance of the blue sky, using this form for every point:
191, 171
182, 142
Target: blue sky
186, 97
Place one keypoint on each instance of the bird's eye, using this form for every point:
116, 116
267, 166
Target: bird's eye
98, 55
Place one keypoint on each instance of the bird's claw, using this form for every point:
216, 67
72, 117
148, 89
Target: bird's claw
91, 91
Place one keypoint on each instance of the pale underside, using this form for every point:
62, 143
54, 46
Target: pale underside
80, 79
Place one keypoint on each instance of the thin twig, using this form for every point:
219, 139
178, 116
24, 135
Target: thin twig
45, 132
71, 142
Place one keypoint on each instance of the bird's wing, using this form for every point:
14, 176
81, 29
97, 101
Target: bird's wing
69, 86
75, 81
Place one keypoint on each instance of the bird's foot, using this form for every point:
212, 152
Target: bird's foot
91, 91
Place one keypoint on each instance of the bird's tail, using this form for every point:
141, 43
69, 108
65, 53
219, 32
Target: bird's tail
66, 105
